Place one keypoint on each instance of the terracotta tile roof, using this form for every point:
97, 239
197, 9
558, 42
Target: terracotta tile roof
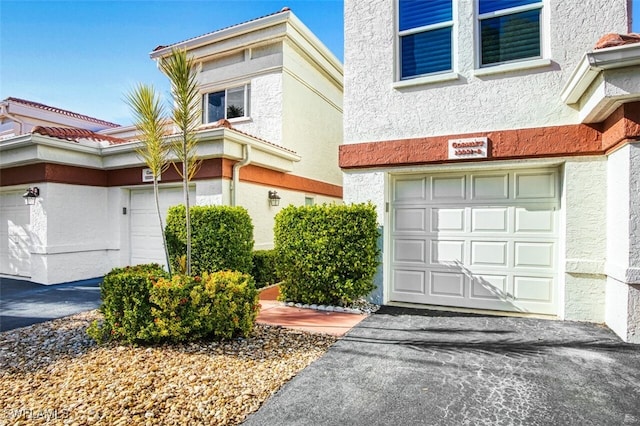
284, 9
227, 125
74, 134
613, 39
62, 111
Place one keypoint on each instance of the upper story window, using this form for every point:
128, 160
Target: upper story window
425, 37
226, 104
510, 30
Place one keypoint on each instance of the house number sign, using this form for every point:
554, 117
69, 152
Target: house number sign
468, 148
147, 175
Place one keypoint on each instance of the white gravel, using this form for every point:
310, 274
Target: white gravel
53, 373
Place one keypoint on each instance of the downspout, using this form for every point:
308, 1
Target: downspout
235, 174
4, 112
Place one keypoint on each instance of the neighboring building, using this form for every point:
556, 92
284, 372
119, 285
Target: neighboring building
504, 161
272, 96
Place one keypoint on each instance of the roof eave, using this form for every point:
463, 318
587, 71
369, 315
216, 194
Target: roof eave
593, 63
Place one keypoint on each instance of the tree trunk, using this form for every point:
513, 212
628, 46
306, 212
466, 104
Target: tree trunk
164, 238
185, 181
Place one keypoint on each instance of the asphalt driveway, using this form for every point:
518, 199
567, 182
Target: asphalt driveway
24, 303
417, 367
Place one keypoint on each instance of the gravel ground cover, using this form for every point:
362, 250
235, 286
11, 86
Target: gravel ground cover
53, 373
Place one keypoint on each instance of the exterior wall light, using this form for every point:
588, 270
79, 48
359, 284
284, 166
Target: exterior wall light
274, 198
30, 195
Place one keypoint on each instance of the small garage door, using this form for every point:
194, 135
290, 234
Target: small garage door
146, 236
476, 240
15, 239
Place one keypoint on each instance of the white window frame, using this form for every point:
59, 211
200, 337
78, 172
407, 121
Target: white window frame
516, 64
247, 106
437, 76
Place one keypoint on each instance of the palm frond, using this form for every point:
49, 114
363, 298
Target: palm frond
149, 117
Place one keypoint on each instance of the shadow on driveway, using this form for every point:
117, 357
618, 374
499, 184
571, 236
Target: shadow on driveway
420, 367
23, 303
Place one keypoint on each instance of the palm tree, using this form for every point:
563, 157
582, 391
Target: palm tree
186, 113
149, 118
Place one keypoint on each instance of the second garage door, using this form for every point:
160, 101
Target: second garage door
146, 236
476, 240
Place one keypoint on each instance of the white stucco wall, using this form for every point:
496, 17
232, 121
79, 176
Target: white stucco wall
71, 239
266, 109
375, 110
583, 239
254, 198
622, 309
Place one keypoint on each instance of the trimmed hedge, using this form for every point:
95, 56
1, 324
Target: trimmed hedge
221, 238
222, 305
140, 305
125, 303
326, 254
264, 268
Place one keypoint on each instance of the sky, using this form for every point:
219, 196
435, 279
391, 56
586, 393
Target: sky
85, 56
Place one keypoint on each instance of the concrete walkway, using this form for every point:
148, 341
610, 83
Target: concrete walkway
418, 367
273, 312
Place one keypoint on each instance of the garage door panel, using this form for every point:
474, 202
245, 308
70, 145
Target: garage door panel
450, 284
537, 255
410, 190
411, 251
489, 219
533, 289
447, 219
537, 221
492, 187
493, 253
409, 281
489, 287
539, 185
447, 252
449, 188
410, 219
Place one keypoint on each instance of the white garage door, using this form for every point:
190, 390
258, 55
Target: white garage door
476, 240
15, 235
146, 236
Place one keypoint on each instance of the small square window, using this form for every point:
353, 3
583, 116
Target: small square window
510, 30
226, 104
425, 37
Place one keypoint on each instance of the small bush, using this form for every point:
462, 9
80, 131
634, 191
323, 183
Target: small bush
264, 268
125, 303
221, 238
142, 305
326, 254
222, 304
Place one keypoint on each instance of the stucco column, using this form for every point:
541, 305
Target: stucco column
623, 243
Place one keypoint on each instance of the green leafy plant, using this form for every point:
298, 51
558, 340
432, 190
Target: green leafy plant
186, 114
264, 268
125, 304
326, 254
222, 238
221, 305
149, 119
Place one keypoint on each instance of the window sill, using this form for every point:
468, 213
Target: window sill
431, 79
515, 66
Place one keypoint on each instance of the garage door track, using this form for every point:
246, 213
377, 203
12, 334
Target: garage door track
419, 367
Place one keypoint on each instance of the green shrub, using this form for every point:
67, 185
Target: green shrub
222, 304
264, 268
125, 303
141, 304
326, 254
221, 238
